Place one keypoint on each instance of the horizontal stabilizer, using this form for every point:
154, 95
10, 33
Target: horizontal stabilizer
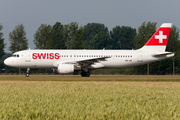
163, 54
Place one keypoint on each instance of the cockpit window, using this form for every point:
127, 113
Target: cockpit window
15, 55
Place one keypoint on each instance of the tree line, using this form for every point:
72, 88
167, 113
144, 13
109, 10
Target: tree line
95, 36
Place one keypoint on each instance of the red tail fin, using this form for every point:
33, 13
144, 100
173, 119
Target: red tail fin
161, 36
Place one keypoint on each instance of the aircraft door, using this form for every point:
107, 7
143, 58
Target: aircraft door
140, 57
27, 57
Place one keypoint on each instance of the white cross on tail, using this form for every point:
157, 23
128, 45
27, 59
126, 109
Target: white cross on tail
160, 36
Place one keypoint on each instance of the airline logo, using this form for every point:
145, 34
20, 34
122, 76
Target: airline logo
160, 37
45, 56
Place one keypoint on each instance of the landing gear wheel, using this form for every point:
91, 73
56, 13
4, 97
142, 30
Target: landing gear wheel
85, 74
27, 74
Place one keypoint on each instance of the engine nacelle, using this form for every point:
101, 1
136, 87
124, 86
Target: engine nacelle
64, 69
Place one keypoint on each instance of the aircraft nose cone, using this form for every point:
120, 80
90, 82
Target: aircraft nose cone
7, 62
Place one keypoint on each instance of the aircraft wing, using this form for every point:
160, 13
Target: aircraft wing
82, 63
87, 62
162, 54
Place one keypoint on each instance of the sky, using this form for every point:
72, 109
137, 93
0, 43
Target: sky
111, 13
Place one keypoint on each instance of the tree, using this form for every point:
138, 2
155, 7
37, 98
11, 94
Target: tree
174, 44
18, 40
161, 67
79, 37
42, 37
2, 45
96, 36
145, 31
123, 37
73, 36
101, 40
58, 41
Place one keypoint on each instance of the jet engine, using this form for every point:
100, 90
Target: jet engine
64, 69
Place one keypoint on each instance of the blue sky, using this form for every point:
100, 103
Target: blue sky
111, 13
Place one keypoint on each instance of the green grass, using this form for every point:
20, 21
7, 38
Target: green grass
70, 78
124, 100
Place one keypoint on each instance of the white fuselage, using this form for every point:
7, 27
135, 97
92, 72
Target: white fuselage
114, 58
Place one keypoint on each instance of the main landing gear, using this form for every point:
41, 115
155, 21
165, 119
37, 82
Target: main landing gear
85, 74
28, 72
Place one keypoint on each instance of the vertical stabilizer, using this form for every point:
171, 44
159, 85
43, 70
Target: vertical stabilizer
159, 40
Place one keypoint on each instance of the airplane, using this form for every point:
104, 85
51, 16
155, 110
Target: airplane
68, 61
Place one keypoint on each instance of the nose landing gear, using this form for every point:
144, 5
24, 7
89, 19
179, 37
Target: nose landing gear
28, 72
